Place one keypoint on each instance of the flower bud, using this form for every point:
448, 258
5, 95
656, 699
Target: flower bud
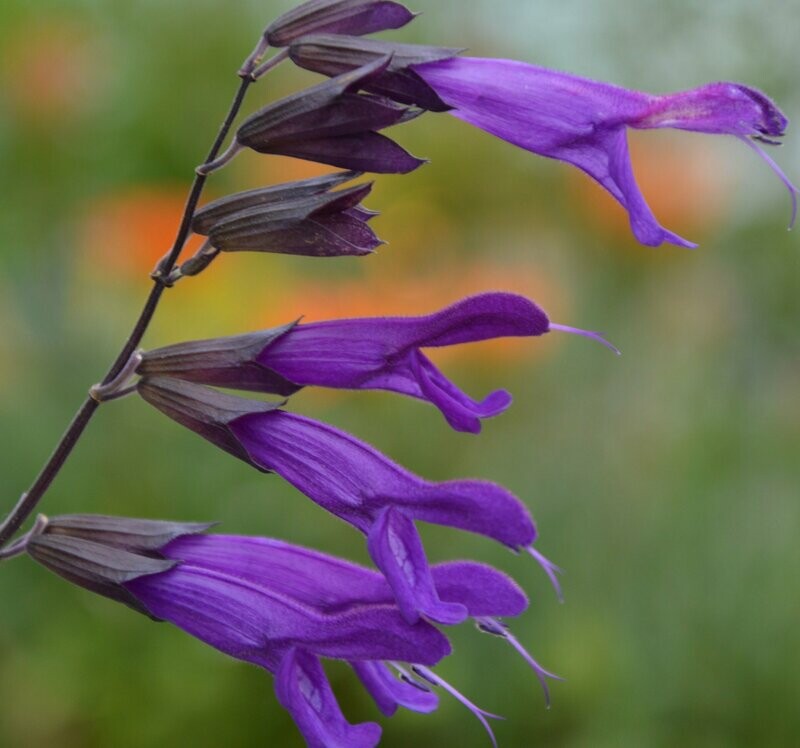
326, 225
331, 123
355, 17
213, 213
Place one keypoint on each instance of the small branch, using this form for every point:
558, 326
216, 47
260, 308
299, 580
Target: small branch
105, 392
30, 500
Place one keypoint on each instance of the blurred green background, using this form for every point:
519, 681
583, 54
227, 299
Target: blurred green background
665, 482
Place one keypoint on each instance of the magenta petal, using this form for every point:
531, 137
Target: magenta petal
303, 690
389, 693
396, 549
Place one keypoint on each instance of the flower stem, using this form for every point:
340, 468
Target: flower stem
30, 500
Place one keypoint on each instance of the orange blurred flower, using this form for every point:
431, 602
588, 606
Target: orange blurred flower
47, 70
129, 232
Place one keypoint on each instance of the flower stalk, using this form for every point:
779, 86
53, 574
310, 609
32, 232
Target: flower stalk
29, 501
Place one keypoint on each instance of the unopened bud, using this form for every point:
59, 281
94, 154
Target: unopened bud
356, 17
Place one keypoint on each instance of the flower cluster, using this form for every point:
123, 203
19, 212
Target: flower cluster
286, 608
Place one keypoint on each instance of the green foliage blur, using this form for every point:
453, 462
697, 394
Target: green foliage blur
664, 482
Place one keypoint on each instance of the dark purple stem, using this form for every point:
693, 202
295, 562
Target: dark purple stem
30, 500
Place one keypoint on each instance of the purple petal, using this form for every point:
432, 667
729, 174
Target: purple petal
330, 584
389, 693
355, 482
396, 549
484, 591
716, 108
249, 620
304, 691
315, 579
461, 411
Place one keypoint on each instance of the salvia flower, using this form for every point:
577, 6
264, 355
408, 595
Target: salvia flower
283, 608
356, 483
382, 353
330, 123
583, 122
354, 17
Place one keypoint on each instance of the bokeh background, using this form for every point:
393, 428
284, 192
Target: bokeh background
665, 482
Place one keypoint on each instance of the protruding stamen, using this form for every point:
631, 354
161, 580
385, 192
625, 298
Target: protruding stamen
481, 715
793, 192
550, 569
586, 334
205, 169
406, 677
273, 62
491, 626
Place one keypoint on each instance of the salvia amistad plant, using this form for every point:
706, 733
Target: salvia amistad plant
280, 606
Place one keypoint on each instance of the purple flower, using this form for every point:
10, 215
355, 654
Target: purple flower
283, 608
583, 122
356, 483
382, 353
